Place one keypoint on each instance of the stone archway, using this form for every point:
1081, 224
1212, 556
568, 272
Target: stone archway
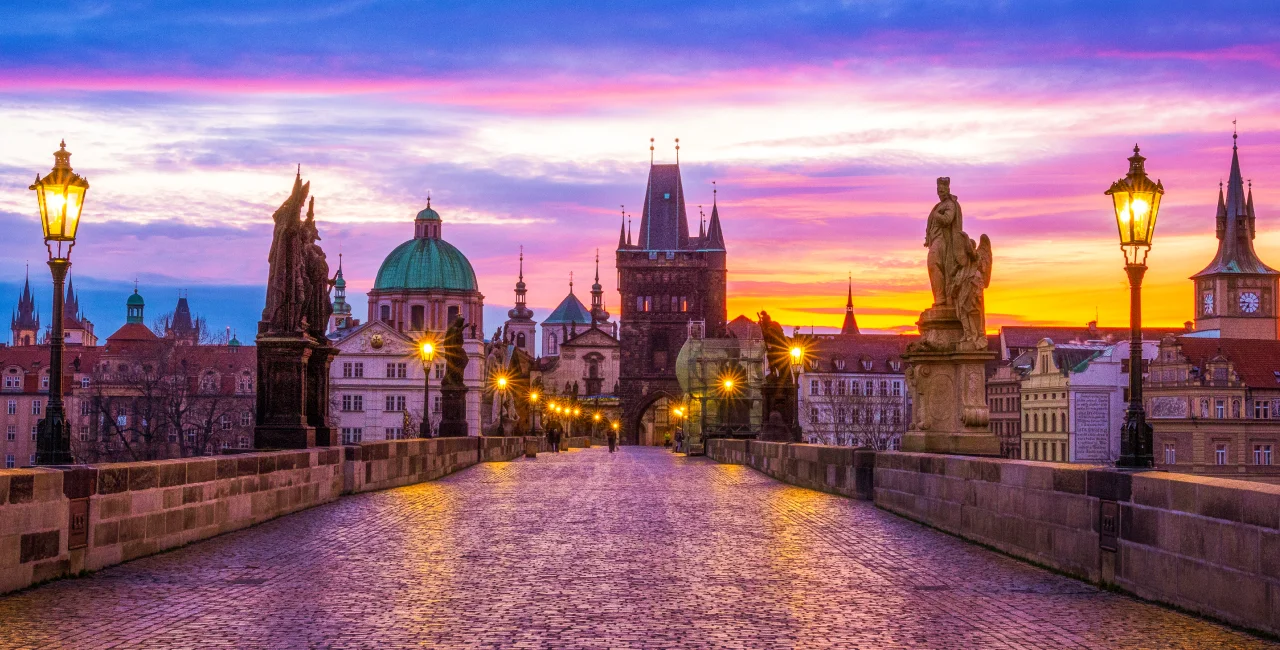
652, 422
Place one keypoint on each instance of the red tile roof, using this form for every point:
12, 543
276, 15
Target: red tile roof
1256, 361
853, 349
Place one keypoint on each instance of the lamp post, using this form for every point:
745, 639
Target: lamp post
61, 197
427, 351
796, 357
533, 413
500, 385
1137, 203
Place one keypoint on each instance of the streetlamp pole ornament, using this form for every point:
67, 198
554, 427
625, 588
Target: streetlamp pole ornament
60, 195
1137, 204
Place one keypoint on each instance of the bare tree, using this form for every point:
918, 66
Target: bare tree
866, 417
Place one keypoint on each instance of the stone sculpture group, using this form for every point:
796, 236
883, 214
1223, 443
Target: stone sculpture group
946, 374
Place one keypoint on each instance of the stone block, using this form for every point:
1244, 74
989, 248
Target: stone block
1151, 489
173, 521
4, 488
49, 570
114, 506
1182, 495
192, 494
1269, 554
77, 483
157, 526
1220, 502
1140, 525
201, 471
1261, 507
1148, 572
172, 498
143, 476
39, 546
112, 480
1014, 473
172, 473
133, 528
22, 488
228, 468
247, 465
1191, 536
106, 533
1109, 484
1233, 596
1069, 479
985, 470
10, 550
266, 463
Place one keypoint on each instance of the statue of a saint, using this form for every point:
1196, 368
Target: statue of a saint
973, 279
455, 356
283, 313
317, 307
946, 241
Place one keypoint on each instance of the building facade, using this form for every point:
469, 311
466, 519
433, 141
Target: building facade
376, 380
1214, 405
852, 390
1074, 397
1235, 295
667, 278
1004, 401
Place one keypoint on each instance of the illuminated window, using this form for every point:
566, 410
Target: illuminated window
1220, 454
1170, 454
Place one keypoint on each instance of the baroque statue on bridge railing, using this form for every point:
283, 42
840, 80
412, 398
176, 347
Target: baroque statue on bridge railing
298, 279
455, 357
959, 268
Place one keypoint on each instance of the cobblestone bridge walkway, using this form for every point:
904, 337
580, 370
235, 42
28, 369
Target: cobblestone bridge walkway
641, 549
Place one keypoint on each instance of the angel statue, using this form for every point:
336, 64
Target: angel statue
973, 278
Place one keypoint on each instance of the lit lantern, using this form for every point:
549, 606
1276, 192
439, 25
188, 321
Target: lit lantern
61, 197
1137, 203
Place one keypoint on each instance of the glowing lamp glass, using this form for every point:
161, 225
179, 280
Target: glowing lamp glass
1136, 201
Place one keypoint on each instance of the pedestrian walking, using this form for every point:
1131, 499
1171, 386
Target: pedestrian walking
613, 441
679, 441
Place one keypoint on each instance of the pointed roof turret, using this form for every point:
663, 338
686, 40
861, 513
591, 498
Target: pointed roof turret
715, 236
664, 226
1235, 226
570, 311
850, 325
26, 317
598, 314
622, 230
521, 311
340, 305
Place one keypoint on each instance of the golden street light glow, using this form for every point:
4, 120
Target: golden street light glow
577, 411
596, 417
427, 350
796, 354
61, 197
728, 384
615, 426
533, 397
502, 383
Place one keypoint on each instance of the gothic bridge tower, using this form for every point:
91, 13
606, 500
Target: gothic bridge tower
667, 279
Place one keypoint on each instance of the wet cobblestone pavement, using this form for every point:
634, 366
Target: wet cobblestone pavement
641, 549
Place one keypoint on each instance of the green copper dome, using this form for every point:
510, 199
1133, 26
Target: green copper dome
428, 214
134, 300
425, 263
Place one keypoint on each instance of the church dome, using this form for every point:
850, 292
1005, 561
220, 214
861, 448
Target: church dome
569, 311
425, 263
428, 214
134, 300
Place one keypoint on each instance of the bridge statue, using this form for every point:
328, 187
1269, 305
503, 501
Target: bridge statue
453, 390
946, 373
293, 352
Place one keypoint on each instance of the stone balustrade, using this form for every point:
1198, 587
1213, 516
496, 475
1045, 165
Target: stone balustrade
1207, 545
60, 522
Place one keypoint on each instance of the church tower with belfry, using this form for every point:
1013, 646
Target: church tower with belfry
671, 284
1236, 293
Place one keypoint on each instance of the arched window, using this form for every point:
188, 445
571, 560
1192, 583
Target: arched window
384, 313
520, 340
552, 345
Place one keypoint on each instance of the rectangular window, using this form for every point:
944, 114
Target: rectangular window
815, 387
244, 442
1220, 409
870, 388
417, 317
13, 381
12, 407
35, 407
1170, 454
884, 388
840, 387
352, 435
394, 403
1220, 454
11, 433
224, 422
395, 433
897, 389
246, 418
397, 370
84, 434
84, 408
8, 461
353, 402
84, 382
1262, 410
1262, 454
826, 387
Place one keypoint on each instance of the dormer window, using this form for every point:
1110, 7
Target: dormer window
866, 364
895, 366
839, 363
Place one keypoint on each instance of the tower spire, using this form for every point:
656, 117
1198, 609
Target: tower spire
1235, 226
715, 236
622, 230
850, 325
677, 151
598, 314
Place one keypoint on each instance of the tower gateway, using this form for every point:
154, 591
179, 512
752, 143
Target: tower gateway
1236, 294
667, 280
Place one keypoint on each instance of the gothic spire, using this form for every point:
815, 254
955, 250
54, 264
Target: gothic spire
715, 237
1235, 227
521, 311
598, 314
622, 231
850, 325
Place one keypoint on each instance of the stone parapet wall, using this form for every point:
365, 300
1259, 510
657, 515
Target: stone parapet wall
1207, 545
33, 527
393, 463
839, 470
62, 522
59, 522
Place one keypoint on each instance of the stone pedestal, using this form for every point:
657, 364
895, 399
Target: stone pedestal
283, 369
946, 381
453, 411
317, 395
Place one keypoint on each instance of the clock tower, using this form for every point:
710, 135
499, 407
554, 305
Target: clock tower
1236, 294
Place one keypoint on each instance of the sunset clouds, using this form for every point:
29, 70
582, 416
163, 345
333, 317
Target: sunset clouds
823, 125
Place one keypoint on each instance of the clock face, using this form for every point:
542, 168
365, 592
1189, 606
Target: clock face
1249, 302
1208, 303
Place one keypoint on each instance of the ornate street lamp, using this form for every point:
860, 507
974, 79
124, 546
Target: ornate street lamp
427, 352
796, 358
61, 198
1137, 203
